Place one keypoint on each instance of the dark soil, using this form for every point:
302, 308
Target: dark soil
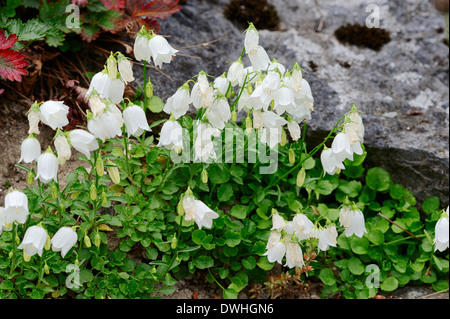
362, 36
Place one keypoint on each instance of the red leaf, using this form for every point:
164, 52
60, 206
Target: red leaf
114, 4
1, 91
12, 63
7, 43
150, 24
159, 9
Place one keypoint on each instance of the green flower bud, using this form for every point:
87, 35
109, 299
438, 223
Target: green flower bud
97, 239
301, 177
48, 243
248, 123
234, 116
180, 208
204, 176
291, 156
113, 172
54, 191
111, 65
99, 166
249, 88
30, 178
104, 198
93, 192
46, 269
87, 241
283, 137
149, 89
174, 242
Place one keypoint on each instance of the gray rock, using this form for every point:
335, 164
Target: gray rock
408, 76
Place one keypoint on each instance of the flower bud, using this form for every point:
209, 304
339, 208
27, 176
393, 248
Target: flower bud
30, 178
283, 138
113, 172
204, 176
87, 241
249, 88
104, 198
97, 240
234, 116
11, 254
111, 65
46, 269
174, 242
291, 156
48, 243
54, 191
180, 208
248, 124
99, 166
149, 89
75, 195
93, 192
301, 177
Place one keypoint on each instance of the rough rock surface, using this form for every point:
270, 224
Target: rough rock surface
402, 89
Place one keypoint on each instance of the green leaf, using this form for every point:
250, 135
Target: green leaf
198, 235
351, 189
440, 285
359, 246
324, 187
249, 263
264, 263
239, 211
390, 284
155, 104
355, 266
230, 294
232, 239
375, 236
203, 262
378, 179
431, 205
225, 192
218, 174
327, 277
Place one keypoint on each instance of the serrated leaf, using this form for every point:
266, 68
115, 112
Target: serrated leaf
12, 63
159, 9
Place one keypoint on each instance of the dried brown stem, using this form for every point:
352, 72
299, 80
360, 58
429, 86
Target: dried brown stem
381, 215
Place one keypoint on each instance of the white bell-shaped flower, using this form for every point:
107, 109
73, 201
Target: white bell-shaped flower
178, 104
441, 233
3, 224
219, 113
197, 211
327, 237
64, 239
221, 85
341, 147
162, 52
274, 238
33, 119
34, 241
83, 141
284, 101
276, 252
236, 74
202, 94
294, 255
278, 222
54, 114
107, 124
107, 88
203, 145
62, 148
302, 226
329, 162
171, 136
251, 40
16, 207
47, 167
125, 68
259, 59
30, 150
267, 90
135, 120
352, 219
294, 130
141, 48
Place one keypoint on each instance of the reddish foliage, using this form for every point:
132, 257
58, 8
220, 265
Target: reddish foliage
114, 4
12, 63
146, 14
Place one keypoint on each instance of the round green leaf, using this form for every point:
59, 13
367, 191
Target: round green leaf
355, 266
327, 277
378, 179
155, 104
390, 284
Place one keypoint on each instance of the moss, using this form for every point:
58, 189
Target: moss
362, 36
261, 13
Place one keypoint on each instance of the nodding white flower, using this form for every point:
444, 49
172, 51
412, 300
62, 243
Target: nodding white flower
178, 104
3, 224
294, 130
171, 136
294, 255
64, 239
83, 141
54, 114
258, 120
266, 91
278, 222
302, 226
271, 136
62, 148
34, 240
341, 147
203, 145
16, 208
219, 113
284, 101
141, 49
135, 120
327, 237
33, 119
107, 88
125, 69
354, 129
236, 74
30, 150
107, 124
353, 220
274, 238
202, 94
304, 102
259, 59
221, 85
274, 65
297, 80
272, 120
251, 41
329, 162
47, 167
197, 211
96, 104
276, 252
162, 52
441, 239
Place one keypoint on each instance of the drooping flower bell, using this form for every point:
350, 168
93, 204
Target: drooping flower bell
34, 241
352, 219
197, 211
107, 124
64, 239
3, 224
251, 41
294, 255
83, 141
141, 49
34, 119
162, 51
47, 167
16, 207
276, 248
171, 136
106, 87
441, 233
329, 161
327, 237
135, 120
203, 145
236, 74
178, 104
125, 68
202, 94
62, 147
219, 113
30, 149
54, 114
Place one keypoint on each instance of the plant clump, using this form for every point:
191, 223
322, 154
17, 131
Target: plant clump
362, 36
260, 12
